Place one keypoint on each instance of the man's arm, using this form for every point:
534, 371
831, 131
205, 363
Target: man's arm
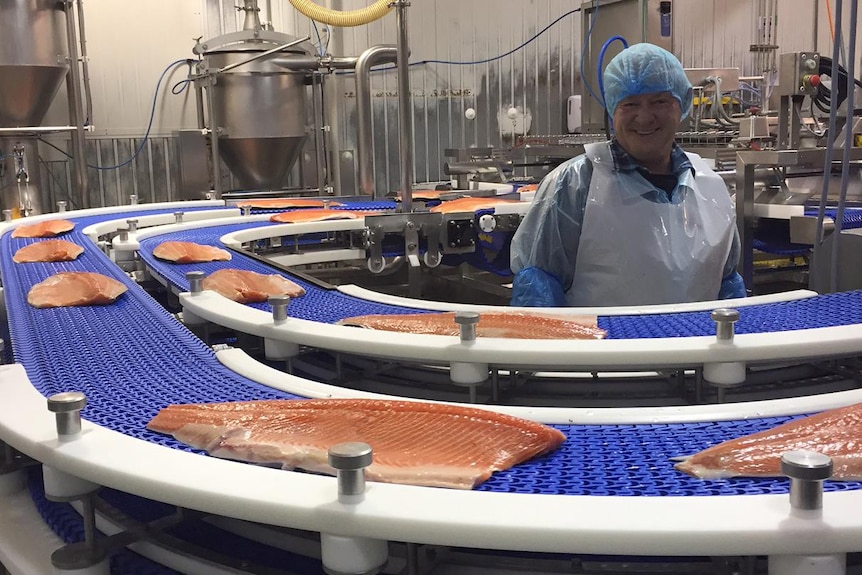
732, 285
545, 245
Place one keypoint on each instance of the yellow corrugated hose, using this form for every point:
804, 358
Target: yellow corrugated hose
343, 18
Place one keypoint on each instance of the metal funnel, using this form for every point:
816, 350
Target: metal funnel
260, 163
33, 60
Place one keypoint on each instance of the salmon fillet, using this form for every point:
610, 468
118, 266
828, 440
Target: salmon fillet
320, 215
48, 251
67, 289
284, 203
416, 443
493, 324
189, 252
469, 205
46, 229
836, 433
248, 287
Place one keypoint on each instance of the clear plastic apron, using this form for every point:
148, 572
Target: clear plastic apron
634, 251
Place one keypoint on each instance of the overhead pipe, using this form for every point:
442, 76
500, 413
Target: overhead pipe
365, 146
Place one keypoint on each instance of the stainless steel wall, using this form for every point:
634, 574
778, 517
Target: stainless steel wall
131, 43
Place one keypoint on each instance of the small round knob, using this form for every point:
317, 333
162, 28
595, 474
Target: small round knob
246, 210
806, 470
61, 206
326, 204
724, 319
279, 306
133, 199
67, 402
67, 408
348, 456
468, 320
179, 217
349, 461
487, 223
7, 215
124, 234
196, 279
806, 465
133, 225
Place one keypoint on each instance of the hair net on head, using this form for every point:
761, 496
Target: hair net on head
644, 69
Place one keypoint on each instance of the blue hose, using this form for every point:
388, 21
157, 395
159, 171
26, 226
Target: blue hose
600, 64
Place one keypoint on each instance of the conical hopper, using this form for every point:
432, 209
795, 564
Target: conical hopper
260, 163
33, 55
259, 112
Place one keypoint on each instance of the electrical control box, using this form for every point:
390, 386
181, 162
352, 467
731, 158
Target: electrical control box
798, 74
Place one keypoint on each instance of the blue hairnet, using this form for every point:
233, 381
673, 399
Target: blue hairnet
645, 69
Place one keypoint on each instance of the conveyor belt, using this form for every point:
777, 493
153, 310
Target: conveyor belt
133, 358
329, 306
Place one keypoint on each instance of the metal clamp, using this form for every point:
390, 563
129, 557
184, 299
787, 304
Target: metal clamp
807, 470
124, 234
178, 216
67, 406
133, 225
349, 461
196, 279
246, 210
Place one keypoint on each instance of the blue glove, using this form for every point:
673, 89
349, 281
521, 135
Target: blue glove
732, 286
533, 287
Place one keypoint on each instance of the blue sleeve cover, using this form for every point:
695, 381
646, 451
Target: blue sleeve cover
732, 286
533, 287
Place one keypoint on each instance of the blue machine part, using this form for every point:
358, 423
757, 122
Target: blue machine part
133, 358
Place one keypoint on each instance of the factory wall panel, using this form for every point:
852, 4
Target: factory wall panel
484, 55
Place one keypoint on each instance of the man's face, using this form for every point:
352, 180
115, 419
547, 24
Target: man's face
645, 126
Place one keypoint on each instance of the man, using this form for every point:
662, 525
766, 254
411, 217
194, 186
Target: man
636, 220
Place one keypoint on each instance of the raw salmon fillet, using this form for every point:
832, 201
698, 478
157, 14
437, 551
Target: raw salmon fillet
284, 203
320, 215
189, 252
836, 433
417, 443
67, 289
248, 287
469, 205
46, 229
48, 251
493, 324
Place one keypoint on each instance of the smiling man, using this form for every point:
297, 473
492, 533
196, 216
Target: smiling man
635, 220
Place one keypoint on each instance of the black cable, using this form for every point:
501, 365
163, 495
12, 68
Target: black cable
841, 84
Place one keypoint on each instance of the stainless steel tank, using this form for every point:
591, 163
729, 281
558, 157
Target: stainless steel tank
259, 109
33, 59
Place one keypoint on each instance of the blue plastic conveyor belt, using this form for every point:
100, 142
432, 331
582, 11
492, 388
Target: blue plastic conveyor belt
132, 358
329, 306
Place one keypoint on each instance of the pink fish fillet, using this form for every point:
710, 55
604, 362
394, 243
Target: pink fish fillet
46, 229
284, 203
491, 324
189, 252
67, 289
417, 443
298, 216
248, 287
469, 204
836, 433
48, 251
